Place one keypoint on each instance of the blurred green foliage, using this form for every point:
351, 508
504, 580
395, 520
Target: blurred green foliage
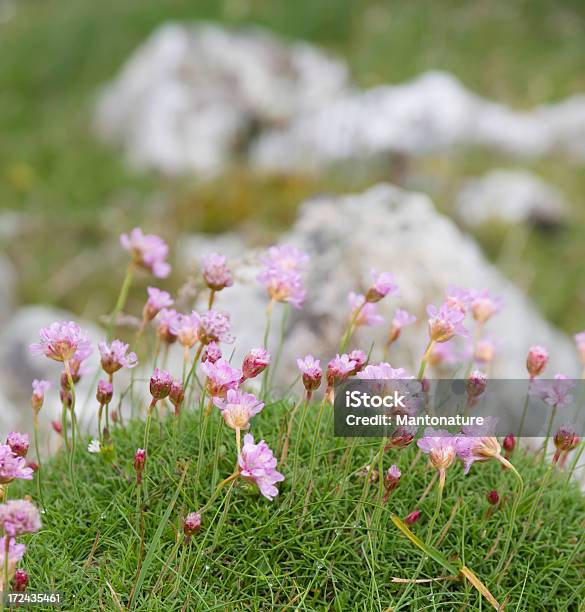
79, 194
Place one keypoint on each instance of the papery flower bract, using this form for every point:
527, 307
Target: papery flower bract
148, 251
459, 298
237, 408
160, 384
445, 322
580, 344
19, 516
192, 524
258, 465
221, 377
104, 393
536, 360
60, 341
339, 368
211, 353
383, 284
115, 356
368, 315
311, 372
556, 393
157, 300
216, 273
94, 447
255, 362
401, 437
186, 329
475, 385
401, 319
40, 387
18, 442
566, 438
12, 466
483, 306
214, 326
440, 446
168, 325
283, 286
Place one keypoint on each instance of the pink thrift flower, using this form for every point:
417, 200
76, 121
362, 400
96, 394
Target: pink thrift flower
392, 477
445, 323
283, 286
412, 517
255, 362
237, 408
383, 371
12, 466
475, 386
20, 579
160, 384
285, 258
360, 359
478, 443
177, 394
104, 393
168, 325
221, 377
186, 329
216, 273
580, 343
19, 443
214, 326
157, 300
61, 340
536, 361
440, 446
192, 524
458, 298
258, 465
211, 353
402, 318
148, 251
556, 393
368, 312
115, 356
483, 306
566, 438
19, 516
40, 387
310, 369
383, 284
339, 368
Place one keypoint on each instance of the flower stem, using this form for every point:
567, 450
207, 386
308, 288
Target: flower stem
350, 328
524, 411
5, 586
293, 412
149, 412
441, 486
73, 424
266, 337
424, 360
38, 456
122, 297
517, 499
548, 433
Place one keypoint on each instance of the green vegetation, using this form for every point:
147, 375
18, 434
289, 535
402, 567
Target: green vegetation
312, 547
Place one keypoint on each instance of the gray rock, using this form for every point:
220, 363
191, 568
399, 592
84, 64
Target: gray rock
510, 196
7, 287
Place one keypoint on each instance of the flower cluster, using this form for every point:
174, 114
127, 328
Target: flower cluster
147, 251
281, 274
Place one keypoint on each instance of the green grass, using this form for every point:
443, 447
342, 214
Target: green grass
310, 549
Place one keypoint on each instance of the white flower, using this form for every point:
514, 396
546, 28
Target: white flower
94, 446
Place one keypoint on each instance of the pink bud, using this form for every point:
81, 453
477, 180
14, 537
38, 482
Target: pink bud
255, 362
104, 392
536, 361
19, 581
139, 461
493, 497
412, 517
509, 443
57, 427
192, 524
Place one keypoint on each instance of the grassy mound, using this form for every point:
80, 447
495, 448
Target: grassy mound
314, 547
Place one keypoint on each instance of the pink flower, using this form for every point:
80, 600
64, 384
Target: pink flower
555, 393
19, 516
258, 465
186, 329
168, 325
160, 384
61, 340
493, 497
238, 408
192, 524
221, 377
339, 368
392, 477
383, 285
580, 343
566, 439
139, 463
368, 312
157, 300
475, 386
40, 387
285, 258
214, 326
104, 393
211, 353
412, 517
402, 318
283, 286
536, 361
255, 362
311, 372
445, 322
383, 371
15, 554
478, 443
483, 306
360, 359
115, 356
458, 298
440, 446
12, 466
19, 443
177, 394
216, 272
148, 251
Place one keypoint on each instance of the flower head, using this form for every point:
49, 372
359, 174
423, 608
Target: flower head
186, 329
115, 356
19, 516
484, 306
383, 284
237, 408
556, 393
20, 579
168, 325
443, 353
493, 497
148, 251
40, 387
363, 312
160, 384
484, 350
401, 437
445, 322
285, 258
478, 443
157, 300
311, 372
220, 377
19, 443
139, 462
339, 368
214, 326
509, 443
392, 477
412, 517
192, 524
211, 353
283, 286
458, 298
177, 394
255, 362
61, 340
258, 465
536, 360
216, 273
104, 393
440, 446
402, 318
383, 371
12, 466
475, 386
360, 359
566, 439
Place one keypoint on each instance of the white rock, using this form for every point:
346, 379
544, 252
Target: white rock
7, 287
187, 98
510, 196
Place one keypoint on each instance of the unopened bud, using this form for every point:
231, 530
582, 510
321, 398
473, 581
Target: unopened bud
139, 461
18, 443
19, 581
412, 517
192, 524
57, 428
493, 497
536, 360
255, 362
104, 392
177, 395
509, 443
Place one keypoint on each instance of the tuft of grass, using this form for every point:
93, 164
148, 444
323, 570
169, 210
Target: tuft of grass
314, 548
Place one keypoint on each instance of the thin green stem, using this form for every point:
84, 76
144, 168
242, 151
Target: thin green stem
425, 359
122, 297
517, 499
350, 328
548, 434
38, 456
71, 385
440, 488
524, 411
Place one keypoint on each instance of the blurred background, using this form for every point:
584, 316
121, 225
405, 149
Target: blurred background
193, 119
